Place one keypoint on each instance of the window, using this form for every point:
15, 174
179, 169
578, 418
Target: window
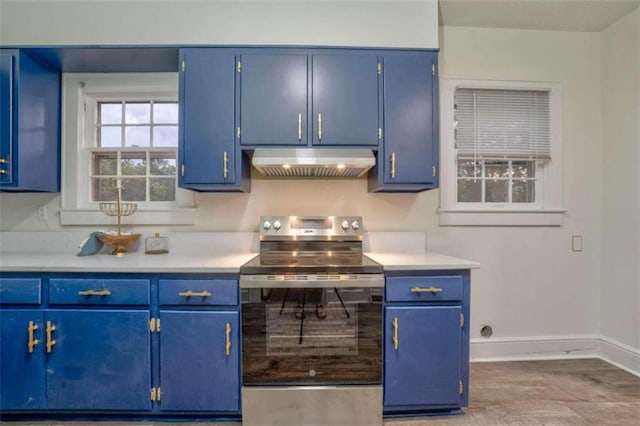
502, 142
137, 144
122, 130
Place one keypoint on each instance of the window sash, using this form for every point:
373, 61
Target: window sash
502, 124
481, 176
122, 125
149, 177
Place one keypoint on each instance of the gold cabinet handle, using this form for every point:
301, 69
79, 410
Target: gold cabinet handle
194, 293
95, 293
3, 161
393, 165
3, 172
50, 341
225, 165
319, 127
396, 340
299, 127
227, 347
426, 290
32, 342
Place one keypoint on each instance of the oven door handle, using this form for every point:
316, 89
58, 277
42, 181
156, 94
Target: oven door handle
312, 281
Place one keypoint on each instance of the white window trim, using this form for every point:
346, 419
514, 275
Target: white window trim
548, 211
79, 89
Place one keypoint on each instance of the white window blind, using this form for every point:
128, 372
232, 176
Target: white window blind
502, 124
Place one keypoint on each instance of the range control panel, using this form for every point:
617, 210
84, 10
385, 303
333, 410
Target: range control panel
325, 227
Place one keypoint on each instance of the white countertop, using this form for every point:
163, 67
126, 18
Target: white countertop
132, 262
198, 253
420, 261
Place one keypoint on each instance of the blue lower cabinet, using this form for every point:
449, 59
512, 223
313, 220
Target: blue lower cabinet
97, 360
199, 361
22, 378
422, 356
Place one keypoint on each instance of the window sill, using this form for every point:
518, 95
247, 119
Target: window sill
177, 216
482, 217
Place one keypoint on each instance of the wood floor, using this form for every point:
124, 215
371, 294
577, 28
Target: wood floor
571, 392
566, 392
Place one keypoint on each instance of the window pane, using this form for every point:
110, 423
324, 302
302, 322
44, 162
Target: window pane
133, 164
137, 136
137, 113
165, 136
165, 113
469, 168
104, 164
134, 189
110, 136
523, 169
163, 166
103, 189
496, 169
524, 191
162, 189
109, 113
496, 191
469, 190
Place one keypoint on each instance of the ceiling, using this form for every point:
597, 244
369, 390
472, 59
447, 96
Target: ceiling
554, 15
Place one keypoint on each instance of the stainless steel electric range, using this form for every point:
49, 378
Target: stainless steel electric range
311, 325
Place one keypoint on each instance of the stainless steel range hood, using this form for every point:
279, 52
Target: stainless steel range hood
313, 162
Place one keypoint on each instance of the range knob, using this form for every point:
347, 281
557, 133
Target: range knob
277, 225
266, 225
345, 225
355, 225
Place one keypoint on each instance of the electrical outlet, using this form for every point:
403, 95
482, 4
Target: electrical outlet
42, 213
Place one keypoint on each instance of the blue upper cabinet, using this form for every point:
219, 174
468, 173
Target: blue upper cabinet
346, 94
273, 99
29, 123
208, 155
408, 158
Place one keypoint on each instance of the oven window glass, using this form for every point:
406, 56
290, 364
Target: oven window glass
311, 336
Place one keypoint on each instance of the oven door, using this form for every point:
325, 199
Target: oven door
312, 332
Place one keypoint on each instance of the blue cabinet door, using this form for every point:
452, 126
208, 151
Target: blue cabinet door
410, 144
408, 157
199, 361
7, 60
207, 100
273, 99
422, 366
100, 360
22, 373
345, 91
29, 123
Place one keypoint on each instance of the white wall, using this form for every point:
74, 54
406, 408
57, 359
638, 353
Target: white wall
328, 23
531, 283
620, 294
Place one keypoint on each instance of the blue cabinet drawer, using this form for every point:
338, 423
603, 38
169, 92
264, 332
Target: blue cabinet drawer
16, 291
424, 288
198, 292
99, 292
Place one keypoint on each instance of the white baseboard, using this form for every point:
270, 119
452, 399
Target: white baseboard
620, 355
556, 347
